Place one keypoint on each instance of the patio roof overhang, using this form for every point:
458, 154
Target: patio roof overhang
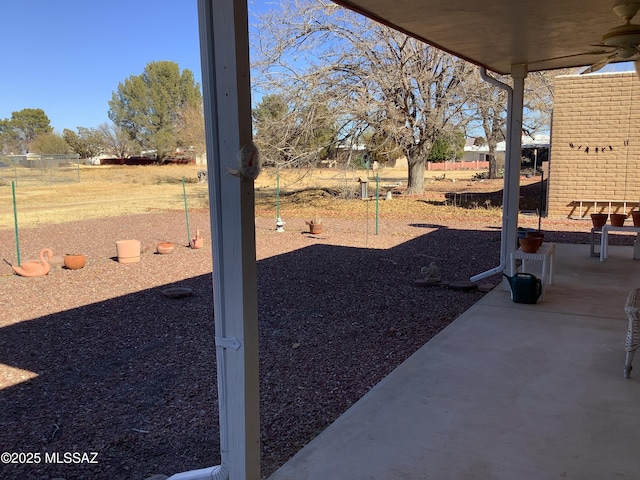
544, 35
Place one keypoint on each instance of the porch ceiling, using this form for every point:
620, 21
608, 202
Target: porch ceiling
499, 33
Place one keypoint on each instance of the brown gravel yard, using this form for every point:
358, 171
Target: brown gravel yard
98, 360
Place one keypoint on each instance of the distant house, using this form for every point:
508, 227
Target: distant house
535, 148
480, 153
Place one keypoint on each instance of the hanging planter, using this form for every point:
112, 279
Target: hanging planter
635, 215
74, 261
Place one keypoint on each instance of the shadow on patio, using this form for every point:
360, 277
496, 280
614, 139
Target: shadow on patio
506, 391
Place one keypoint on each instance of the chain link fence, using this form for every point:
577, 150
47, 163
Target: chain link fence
38, 169
342, 182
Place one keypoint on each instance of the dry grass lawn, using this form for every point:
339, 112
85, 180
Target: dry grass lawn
109, 191
103, 191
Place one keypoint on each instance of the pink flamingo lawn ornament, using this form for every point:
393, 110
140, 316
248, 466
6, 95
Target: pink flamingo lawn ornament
35, 269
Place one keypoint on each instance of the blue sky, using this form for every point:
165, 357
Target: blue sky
67, 57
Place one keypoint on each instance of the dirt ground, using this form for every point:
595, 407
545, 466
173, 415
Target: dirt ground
99, 360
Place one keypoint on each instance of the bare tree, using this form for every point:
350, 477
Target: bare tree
488, 108
488, 105
538, 97
117, 141
190, 128
369, 76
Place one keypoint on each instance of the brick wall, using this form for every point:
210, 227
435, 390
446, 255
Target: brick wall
600, 112
475, 165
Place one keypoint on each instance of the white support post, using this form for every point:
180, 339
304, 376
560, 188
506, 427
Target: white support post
224, 47
513, 156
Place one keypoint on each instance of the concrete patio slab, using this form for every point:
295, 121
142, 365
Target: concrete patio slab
507, 391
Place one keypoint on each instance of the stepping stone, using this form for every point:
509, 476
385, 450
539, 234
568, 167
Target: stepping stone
177, 292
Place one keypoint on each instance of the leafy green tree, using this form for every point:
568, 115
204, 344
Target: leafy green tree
88, 142
51, 143
271, 108
4, 137
447, 147
268, 116
148, 106
23, 128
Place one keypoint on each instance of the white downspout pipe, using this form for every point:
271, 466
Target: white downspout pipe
511, 192
505, 206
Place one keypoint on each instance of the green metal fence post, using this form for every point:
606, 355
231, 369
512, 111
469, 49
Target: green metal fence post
15, 220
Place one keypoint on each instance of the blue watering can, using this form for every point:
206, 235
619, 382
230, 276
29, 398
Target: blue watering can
525, 288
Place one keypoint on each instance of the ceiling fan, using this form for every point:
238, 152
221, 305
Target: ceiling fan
621, 43
624, 39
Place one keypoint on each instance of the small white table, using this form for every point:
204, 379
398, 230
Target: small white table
604, 239
545, 254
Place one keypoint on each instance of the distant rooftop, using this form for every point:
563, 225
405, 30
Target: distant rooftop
538, 140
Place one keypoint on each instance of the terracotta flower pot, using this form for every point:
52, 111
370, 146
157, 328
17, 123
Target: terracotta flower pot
537, 235
635, 215
530, 245
165, 247
74, 261
315, 228
315, 225
617, 219
128, 251
598, 219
